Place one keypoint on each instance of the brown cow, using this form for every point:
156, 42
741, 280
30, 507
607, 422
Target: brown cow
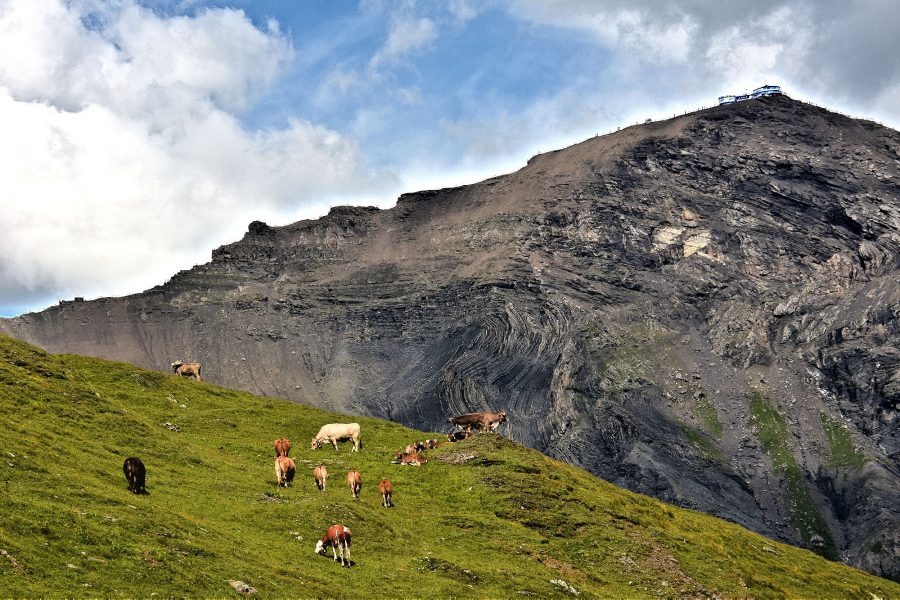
321, 475
415, 447
387, 493
482, 420
354, 480
187, 369
431, 444
282, 447
285, 469
458, 436
338, 537
136, 475
413, 459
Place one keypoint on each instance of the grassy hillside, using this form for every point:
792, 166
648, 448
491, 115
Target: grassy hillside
484, 518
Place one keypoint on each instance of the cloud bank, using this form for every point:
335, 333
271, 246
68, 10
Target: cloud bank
123, 157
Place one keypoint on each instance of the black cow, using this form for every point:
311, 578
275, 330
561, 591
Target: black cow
136, 475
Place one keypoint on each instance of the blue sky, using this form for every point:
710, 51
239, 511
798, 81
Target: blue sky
140, 135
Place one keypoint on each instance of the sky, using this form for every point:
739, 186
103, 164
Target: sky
138, 135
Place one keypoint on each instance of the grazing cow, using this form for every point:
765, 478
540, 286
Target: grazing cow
354, 480
321, 475
481, 420
285, 469
136, 475
338, 432
187, 369
387, 493
282, 447
338, 537
458, 436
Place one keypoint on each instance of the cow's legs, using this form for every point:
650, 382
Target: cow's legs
347, 547
334, 552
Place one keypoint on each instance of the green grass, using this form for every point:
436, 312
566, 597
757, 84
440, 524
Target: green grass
483, 518
773, 435
841, 451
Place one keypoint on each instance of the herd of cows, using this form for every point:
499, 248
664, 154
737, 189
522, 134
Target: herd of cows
338, 536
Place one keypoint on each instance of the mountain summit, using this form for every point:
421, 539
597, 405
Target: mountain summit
704, 309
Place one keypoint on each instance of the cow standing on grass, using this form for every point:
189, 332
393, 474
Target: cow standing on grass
285, 469
136, 475
338, 538
354, 480
321, 475
282, 447
484, 421
387, 493
338, 432
187, 369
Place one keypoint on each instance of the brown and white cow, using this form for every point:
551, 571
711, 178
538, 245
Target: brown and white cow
354, 480
187, 369
321, 475
415, 447
338, 432
484, 421
431, 444
136, 475
458, 436
338, 537
285, 469
282, 447
387, 493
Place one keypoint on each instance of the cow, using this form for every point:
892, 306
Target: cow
338, 538
354, 480
136, 475
415, 447
282, 447
338, 432
482, 420
410, 458
285, 469
431, 444
321, 475
458, 436
187, 369
387, 493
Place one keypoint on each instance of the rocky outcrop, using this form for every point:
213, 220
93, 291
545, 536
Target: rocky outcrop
705, 309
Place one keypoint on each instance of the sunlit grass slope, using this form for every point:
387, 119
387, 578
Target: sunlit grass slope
484, 518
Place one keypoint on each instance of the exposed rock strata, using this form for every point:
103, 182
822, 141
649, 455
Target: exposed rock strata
623, 300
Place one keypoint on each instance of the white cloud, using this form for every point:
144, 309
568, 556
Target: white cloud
407, 34
122, 157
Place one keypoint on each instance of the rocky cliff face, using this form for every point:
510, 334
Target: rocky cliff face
705, 309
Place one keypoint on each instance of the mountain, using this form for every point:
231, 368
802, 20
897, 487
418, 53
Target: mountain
705, 310
484, 517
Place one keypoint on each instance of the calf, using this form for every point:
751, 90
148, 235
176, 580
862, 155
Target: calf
338, 537
282, 447
321, 475
413, 459
354, 480
431, 444
458, 436
136, 475
415, 447
387, 493
285, 469
187, 369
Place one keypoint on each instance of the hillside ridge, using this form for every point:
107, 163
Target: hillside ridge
484, 518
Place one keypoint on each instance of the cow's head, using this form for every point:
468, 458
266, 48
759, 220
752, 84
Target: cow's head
320, 547
177, 364
315, 444
502, 416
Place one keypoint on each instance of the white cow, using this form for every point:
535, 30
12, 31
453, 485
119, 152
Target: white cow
338, 432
